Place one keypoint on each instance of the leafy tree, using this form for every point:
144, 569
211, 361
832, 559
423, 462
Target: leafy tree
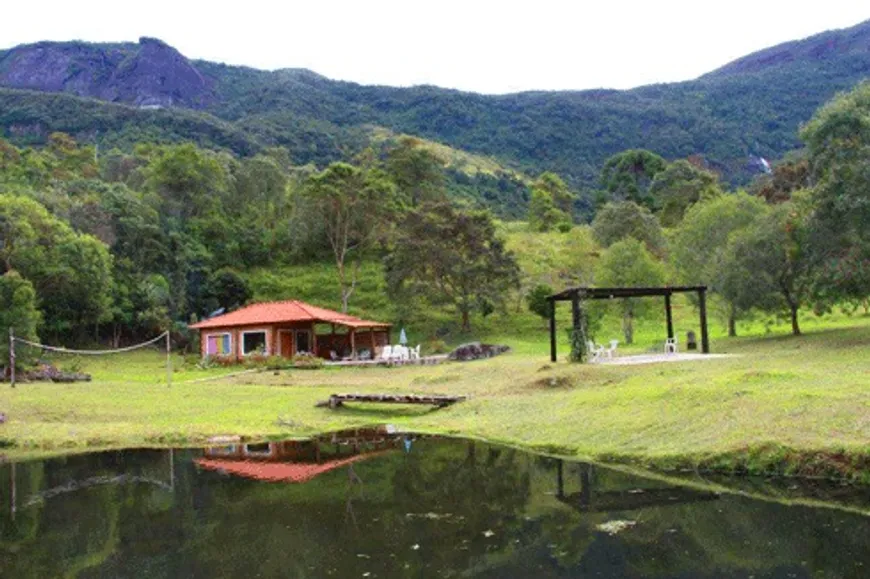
785, 178
537, 301
562, 195
451, 256
71, 273
679, 186
355, 206
417, 172
838, 152
543, 213
227, 289
627, 263
628, 220
627, 176
770, 265
18, 311
190, 181
699, 245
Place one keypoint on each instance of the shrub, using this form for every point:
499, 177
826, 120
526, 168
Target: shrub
306, 361
435, 347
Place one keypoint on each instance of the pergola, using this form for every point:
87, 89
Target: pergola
575, 294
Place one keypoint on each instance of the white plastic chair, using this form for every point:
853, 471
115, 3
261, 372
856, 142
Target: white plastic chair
612, 349
400, 353
415, 353
387, 352
671, 346
594, 351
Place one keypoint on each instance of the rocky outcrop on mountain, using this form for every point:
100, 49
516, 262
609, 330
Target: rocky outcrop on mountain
151, 74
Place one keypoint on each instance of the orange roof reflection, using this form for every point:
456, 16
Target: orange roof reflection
279, 471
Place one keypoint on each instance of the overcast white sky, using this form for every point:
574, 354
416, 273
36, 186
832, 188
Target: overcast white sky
478, 45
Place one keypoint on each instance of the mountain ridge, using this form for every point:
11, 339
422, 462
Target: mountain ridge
748, 108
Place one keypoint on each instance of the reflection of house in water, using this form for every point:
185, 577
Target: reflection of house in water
299, 460
590, 499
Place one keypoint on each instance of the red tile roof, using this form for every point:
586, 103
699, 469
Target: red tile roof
284, 312
278, 471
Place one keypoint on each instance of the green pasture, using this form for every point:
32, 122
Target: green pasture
778, 403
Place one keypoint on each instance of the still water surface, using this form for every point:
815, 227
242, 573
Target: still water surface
368, 504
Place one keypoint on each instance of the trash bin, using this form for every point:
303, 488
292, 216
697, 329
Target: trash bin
691, 341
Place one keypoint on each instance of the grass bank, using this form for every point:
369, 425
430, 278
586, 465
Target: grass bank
793, 405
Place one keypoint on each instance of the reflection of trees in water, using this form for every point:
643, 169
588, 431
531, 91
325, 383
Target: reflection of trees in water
219, 526
67, 522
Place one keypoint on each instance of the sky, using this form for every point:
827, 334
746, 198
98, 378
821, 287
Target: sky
473, 45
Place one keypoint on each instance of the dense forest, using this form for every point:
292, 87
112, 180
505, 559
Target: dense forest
118, 222
113, 246
729, 118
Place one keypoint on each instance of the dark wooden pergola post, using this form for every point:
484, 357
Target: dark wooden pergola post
552, 330
702, 306
668, 316
353, 343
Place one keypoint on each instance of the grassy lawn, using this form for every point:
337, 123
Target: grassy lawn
796, 404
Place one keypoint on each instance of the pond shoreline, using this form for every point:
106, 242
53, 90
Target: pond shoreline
790, 406
768, 460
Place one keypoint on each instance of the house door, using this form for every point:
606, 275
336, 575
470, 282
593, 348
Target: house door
285, 339
303, 341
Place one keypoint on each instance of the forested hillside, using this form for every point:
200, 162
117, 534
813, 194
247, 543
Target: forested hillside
748, 109
120, 221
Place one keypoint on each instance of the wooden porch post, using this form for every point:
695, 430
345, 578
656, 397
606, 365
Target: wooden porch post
353, 343
668, 316
702, 306
314, 339
372, 336
552, 330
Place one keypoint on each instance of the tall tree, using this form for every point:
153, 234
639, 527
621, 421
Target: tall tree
679, 186
627, 263
355, 206
451, 256
771, 265
785, 178
628, 220
627, 176
70, 272
17, 311
699, 245
838, 151
417, 172
551, 204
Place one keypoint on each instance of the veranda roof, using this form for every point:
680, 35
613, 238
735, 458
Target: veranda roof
285, 312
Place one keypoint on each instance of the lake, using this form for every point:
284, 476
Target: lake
373, 503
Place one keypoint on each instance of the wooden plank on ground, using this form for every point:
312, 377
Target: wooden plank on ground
336, 400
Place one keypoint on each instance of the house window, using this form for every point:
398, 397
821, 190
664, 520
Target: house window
259, 449
253, 342
223, 450
218, 345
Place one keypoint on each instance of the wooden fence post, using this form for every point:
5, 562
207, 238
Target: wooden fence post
168, 360
12, 357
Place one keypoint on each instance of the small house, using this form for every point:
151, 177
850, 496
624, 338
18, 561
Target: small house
287, 328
